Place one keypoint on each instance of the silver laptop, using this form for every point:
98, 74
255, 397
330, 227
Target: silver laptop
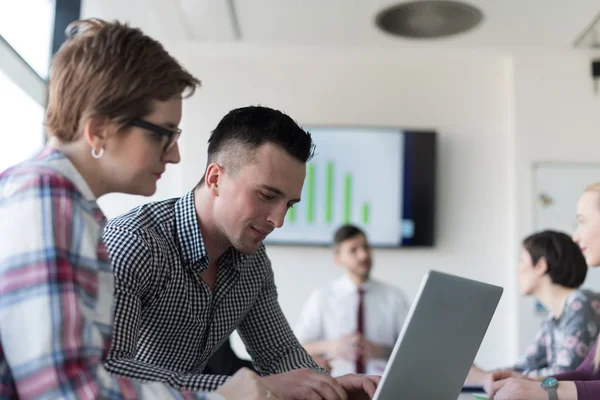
440, 339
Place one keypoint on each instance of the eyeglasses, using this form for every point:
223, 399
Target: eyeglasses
168, 137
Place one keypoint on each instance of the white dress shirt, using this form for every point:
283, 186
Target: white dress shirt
331, 312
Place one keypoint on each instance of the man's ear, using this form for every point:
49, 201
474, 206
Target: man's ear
336, 255
214, 173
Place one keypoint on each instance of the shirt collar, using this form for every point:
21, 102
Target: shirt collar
345, 285
59, 162
234, 258
56, 160
188, 232
190, 238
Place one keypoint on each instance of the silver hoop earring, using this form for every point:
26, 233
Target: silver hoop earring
99, 154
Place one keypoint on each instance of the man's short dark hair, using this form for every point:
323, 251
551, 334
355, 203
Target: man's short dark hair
566, 263
346, 232
242, 131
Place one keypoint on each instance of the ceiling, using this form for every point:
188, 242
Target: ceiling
507, 24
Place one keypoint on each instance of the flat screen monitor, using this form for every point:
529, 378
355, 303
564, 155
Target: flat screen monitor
382, 180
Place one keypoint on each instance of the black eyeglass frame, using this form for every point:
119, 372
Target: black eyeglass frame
172, 135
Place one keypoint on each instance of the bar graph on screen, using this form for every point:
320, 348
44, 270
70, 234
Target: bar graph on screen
328, 204
354, 178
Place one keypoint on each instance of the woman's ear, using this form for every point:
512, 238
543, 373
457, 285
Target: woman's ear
541, 267
96, 131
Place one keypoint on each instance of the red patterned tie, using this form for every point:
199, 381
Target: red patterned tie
360, 366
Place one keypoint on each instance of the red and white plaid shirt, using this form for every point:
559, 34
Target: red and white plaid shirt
56, 289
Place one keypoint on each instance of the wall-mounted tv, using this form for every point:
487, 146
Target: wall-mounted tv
381, 179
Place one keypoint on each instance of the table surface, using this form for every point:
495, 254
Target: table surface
468, 396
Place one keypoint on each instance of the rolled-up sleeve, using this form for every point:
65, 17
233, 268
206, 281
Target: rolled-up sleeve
268, 336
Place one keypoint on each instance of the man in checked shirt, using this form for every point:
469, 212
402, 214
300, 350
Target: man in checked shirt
191, 270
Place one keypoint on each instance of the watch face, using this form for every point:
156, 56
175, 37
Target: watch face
549, 382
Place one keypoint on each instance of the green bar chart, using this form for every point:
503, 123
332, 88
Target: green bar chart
310, 192
365, 213
291, 215
354, 178
347, 197
329, 193
329, 184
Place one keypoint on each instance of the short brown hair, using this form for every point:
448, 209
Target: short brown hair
108, 69
346, 232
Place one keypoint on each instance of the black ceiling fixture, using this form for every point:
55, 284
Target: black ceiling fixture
429, 19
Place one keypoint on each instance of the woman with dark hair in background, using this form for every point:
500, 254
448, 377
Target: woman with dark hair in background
584, 382
552, 268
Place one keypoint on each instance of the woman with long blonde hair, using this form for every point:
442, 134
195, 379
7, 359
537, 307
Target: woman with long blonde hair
583, 383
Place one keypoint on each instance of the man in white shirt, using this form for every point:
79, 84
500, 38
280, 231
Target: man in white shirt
354, 321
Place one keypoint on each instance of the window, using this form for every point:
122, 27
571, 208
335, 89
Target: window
22, 119
27, 27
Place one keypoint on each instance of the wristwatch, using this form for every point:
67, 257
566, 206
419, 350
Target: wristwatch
549, 385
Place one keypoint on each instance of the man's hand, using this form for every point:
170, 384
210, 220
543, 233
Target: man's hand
369, 350
346, 347
306, 384
355, 346
245, 384
476, 376
499, 375
516, 389
323, 362
359, 387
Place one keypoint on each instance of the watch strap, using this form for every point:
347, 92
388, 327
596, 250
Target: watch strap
552, 394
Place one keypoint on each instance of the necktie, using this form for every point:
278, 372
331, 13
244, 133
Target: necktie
360, 366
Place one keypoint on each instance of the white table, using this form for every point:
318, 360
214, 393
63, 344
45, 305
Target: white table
467, 396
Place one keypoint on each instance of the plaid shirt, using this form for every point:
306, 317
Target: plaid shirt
56, 289
167, 317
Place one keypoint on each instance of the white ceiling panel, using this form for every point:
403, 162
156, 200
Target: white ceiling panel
158, 18
209, 20
507, 24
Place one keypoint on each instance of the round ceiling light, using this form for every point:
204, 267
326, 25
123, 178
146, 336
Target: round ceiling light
428, 19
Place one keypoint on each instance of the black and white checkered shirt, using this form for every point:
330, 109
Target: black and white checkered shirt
167, 322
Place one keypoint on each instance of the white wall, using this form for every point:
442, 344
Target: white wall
557, 118
465, 96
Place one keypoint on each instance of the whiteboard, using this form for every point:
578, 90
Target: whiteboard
557, 188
